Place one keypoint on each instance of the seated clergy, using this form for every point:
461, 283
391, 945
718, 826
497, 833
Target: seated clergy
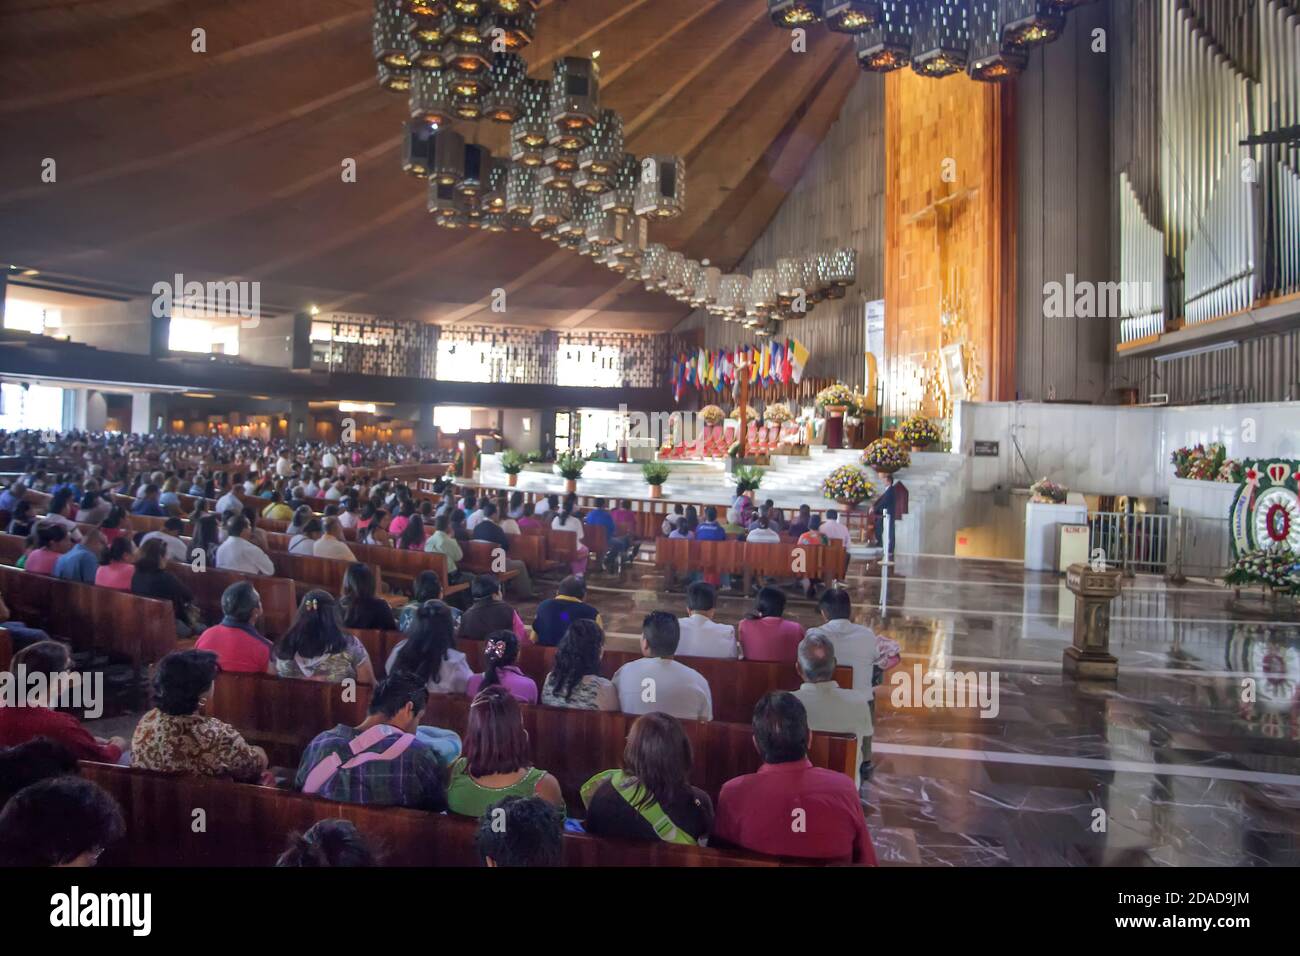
383, 761
789, 807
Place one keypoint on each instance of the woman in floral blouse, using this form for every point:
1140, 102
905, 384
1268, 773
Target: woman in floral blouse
176, 737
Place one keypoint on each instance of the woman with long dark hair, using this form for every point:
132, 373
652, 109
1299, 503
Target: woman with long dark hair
117, 565
206, 537
152, 579
651, 797
317, 648
429, 651
575, 680
412, 537
497, 762
427, 587
568, 520
359, 605
500, 669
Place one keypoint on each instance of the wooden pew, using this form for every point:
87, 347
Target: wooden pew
139, 628
399, 568
749, 559
312, 572
249, 826
284, 715
11, 548
279, 599
478, 559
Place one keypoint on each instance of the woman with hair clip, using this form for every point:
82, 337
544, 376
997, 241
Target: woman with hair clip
412, 537
500, 653
329, 843
428, 651
358, 603
567, 520
317, 648
497, 762
575, 680
651, 797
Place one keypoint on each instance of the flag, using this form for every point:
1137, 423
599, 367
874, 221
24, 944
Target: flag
798, 359
785, 363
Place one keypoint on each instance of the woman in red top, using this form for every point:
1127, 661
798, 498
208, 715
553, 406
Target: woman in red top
765, 635
37, 716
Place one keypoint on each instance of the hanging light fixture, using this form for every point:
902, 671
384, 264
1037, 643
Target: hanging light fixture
528, 133
515, 6
514, 31
494, 186
708, 283
1030, 23
852, 16
558, 171
503, 102
622, 196
992, 59
388, 34
521, 191
942, 37
447, 156
431, 100
727, 293
691, 273
575, 94
661, 189
789, 280
553, 206
654, 266
633, 234
417, 149
675, 274
887, 45
395, 79
469, 8
425, 8
448, 207
475, 169
599, 160
762, 291
578, 221
795, 13
425, 28
740, 307
843, 267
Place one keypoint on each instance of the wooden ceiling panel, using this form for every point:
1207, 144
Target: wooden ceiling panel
227, 164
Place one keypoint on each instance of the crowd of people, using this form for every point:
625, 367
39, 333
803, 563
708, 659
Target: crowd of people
392, 758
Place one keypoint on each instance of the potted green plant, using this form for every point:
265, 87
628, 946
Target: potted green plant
570, 465
512, 463
748, 478
656, 473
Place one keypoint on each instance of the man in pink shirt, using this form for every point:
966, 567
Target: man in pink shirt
789, 807
236, 641
768, 636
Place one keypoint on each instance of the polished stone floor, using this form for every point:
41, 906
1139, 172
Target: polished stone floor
1192, 758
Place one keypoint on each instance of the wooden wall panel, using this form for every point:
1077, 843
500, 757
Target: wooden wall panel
946, 219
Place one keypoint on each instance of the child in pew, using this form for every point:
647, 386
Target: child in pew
521, 831
500, 652
329, 843
429, 651
383, 761
316, 647
497, 761
176, 737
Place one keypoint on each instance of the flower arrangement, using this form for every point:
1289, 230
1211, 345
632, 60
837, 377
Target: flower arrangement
886, 455
918, 432
778, 414
835, 395
1206, 463
655, 472
712, 415
1277, 568
570, 465
747, 478
512, 462
1046, 492
848, 484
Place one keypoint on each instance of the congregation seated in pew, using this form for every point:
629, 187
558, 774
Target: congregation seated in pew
501, 669
427, 586
359, 603
177, 737
575, 680
390, 759
317, 648
489, 613
41, 716
555, 615
659, 683
701, 636
428, 650
765, 634
239, 646
62, 821
238, 552
521, 832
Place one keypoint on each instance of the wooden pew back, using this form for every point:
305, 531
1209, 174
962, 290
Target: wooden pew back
279, 601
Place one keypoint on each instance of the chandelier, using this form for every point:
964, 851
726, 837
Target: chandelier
567, 177
989, 39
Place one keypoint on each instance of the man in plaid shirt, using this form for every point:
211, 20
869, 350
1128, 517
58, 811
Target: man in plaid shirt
383, 762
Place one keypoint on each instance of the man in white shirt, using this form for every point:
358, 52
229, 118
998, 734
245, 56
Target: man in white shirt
335, 491
170, 536
472, 521
831, 708
331, 543
347, 517
855, 644
700, 635
283, 466
328, 460
238, 553
658, 684
832, 528
229, 502
310, 488
763, 533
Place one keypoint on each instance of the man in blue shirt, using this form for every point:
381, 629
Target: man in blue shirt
10, 497
617, 544
709, 529
81, 563
147, 504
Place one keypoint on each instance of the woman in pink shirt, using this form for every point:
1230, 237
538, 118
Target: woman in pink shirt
766, 635
117, 567
527, 523
53, 541
500, 652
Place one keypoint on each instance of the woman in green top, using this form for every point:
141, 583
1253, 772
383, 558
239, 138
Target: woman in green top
495, 762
